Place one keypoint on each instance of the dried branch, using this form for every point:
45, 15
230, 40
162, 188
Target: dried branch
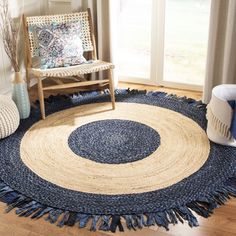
9, 32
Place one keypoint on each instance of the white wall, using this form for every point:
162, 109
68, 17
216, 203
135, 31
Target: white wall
59, 6
5, 74
28, 7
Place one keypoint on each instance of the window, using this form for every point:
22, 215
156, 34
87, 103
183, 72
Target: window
135, 38
163, 42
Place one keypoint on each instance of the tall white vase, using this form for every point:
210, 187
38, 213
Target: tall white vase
20, 96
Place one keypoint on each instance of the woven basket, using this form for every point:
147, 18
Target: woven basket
9, 116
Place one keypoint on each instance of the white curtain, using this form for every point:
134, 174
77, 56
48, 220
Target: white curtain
105, 21
221, 61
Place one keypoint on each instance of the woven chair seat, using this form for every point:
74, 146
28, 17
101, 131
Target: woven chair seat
82, 69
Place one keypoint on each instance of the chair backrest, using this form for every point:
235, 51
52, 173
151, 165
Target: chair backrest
87, 33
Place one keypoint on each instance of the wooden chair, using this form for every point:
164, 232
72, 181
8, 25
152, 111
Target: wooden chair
77, 72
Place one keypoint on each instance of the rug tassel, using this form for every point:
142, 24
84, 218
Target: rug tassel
172, 217
116, 222
25, 207
83, 220
95, 220
178, 216
5, 190
64, 219
19, 201
105, 223
200, 210
137, 221
161, 220
157, 94
187, 215
72, 219
41, 212
29, 209
142, 221
53, 215
129, 222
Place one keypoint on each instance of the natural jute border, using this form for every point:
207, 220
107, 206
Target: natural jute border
45, 150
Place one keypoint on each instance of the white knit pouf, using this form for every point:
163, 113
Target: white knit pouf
220, 114
9, 116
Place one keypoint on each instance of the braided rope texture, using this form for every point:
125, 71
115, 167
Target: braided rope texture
9, 117
211, 186
113, 141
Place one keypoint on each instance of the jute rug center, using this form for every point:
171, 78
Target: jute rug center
183, 149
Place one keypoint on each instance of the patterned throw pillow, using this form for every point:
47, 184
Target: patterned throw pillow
59, 45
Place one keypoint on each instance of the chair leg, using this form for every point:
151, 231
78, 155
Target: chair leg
41, 98
111, 87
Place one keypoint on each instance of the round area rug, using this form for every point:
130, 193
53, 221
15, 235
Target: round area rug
148, 162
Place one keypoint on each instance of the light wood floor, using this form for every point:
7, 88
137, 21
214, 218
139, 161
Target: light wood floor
222, 223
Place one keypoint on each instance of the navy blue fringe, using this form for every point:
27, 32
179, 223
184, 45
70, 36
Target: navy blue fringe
204, 206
